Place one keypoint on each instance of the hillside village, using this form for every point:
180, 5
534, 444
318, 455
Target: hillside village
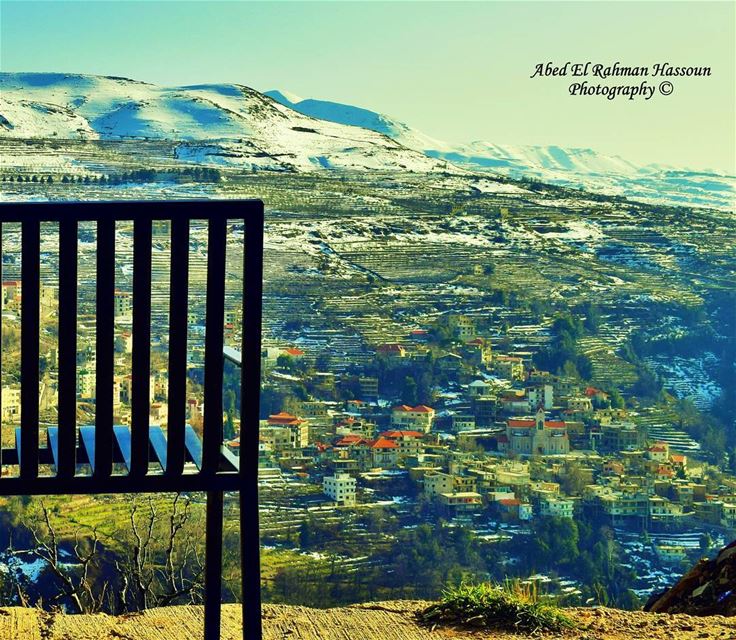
457, 400
414, 326
502, 442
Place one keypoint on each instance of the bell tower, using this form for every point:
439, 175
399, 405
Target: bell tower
540, 417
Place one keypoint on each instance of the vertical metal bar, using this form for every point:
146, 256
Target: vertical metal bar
249, 415
67, 348
2, 305
105, 346
213, 566
213, 345
141, 384
178, 308
30, 279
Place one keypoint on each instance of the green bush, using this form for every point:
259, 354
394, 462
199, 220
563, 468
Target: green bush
512, 606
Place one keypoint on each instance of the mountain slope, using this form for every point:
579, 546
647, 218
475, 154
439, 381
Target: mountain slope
359, 117
583, 168
216, 124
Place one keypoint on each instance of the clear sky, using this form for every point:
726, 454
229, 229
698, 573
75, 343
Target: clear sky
458, 71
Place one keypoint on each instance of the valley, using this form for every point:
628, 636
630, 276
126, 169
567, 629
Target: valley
372, 246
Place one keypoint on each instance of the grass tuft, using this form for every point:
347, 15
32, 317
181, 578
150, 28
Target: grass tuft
511, 605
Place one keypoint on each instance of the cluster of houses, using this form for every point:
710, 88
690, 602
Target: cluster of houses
505, 439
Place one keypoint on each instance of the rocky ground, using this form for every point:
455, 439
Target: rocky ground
377, 621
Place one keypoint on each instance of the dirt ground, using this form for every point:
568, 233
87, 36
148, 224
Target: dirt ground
378, 621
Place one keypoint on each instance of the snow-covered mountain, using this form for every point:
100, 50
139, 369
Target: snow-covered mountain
592, 171
232, 124
221, 124
583, 168
359, 117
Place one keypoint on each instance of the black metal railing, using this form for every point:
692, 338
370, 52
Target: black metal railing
118, 457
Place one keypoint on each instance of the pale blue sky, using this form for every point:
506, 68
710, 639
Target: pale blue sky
458, 71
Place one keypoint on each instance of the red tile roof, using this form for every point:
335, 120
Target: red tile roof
592, 391
284, 418
401, 434
418, 409
383, 443
349, 439
526, 423
554, 424
390, 348
293, 351
517, 422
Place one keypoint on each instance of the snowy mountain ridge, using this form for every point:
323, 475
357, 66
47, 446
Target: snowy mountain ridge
235, 125
216, 124
576, 167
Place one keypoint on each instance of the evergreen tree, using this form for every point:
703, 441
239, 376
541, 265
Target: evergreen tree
409, 392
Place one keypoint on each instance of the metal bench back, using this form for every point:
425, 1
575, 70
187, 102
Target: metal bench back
119, 456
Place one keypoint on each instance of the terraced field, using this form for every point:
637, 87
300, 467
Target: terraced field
354, 260
357, 259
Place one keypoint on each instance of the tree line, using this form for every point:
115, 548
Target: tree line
186, 174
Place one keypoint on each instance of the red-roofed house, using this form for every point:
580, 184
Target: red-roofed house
384, 453
294, 352
383, 443
285, 430
679, 461
283, 418
350, 440
380, 452
402, 434
391, 351
509, 506
592, 392
659, 452
409, 442
417, 418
